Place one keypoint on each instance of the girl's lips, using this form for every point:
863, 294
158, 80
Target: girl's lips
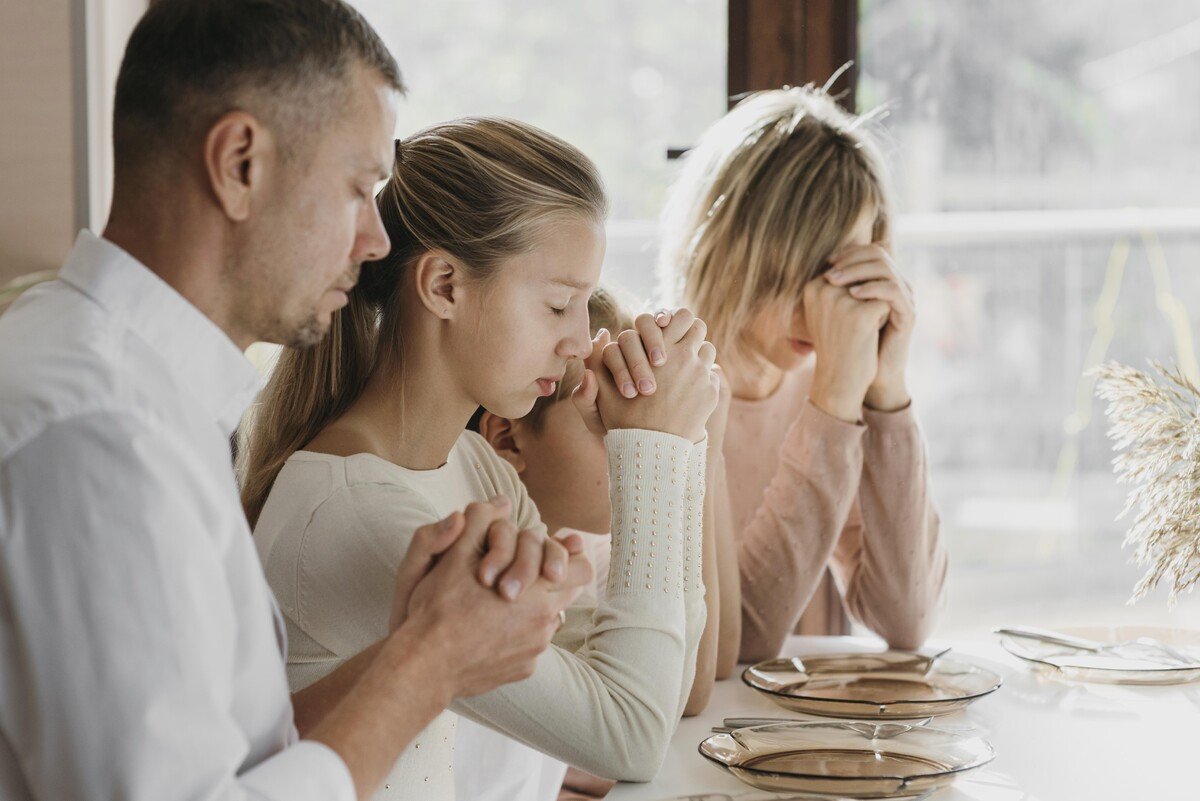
546, 386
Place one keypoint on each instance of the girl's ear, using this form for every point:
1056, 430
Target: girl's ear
498, 431
438, 282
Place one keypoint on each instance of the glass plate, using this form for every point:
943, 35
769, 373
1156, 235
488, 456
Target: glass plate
1122, 666
845, 759
892, 684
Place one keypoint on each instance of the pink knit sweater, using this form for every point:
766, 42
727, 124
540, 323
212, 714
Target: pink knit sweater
811, 496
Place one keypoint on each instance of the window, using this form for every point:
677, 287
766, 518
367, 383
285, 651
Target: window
1048, 173
623, 80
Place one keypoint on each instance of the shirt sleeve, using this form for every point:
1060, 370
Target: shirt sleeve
118, 633
617, 697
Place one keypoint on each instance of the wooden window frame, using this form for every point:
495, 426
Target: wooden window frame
776, 43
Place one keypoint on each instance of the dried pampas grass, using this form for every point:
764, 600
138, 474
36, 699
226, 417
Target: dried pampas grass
1155, 427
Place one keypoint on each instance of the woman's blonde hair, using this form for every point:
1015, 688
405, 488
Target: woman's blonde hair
481, 190
762, 202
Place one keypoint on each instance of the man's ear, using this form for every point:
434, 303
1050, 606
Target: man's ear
236, 151
439, 283
498, 431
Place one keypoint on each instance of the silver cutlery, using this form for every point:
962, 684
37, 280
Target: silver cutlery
1146, 647
875, 731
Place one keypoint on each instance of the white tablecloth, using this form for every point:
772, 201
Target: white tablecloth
1053, 741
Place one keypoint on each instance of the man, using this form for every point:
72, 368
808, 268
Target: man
141, 654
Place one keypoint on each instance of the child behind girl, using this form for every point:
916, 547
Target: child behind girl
777, 233
496, 233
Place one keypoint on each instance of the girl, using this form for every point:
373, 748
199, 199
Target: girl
564, 468
777, 233
496, 243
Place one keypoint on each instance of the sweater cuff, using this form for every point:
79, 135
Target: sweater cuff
648, 476
819, 425
890, 422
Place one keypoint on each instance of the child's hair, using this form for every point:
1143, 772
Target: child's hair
604, 311
762, 202
479, 189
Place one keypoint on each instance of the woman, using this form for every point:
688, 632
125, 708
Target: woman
777, 233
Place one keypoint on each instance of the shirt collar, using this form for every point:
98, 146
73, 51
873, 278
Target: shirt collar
201, 358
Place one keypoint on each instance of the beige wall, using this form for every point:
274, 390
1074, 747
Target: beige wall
55, 119
37, 184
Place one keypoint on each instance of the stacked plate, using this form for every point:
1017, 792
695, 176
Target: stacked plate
893, 684
868, 752
847, 759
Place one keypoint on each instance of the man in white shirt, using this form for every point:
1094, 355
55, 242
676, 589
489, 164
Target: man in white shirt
141, 653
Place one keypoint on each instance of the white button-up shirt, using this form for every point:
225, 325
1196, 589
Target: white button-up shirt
141, 653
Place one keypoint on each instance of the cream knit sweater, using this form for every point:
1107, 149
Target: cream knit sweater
606, 696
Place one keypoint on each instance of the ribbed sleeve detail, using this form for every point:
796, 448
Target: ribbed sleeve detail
693, 521
648, 486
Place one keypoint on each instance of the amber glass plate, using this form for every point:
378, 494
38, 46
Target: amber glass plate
1132, 657
893, 684
847, 759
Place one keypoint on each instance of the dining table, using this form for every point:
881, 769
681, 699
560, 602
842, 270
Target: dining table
1054, 740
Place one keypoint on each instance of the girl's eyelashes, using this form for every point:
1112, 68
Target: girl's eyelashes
559, 310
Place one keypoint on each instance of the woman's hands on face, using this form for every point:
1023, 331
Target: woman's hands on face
620, 390
860, 316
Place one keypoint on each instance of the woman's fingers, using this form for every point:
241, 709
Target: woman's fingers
637, 361
891, 293
882, 289
863, 271
650, 327
856, 254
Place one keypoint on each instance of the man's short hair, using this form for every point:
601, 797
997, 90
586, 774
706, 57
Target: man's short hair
190, 61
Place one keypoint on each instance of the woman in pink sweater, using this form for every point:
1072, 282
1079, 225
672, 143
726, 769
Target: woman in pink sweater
778, 234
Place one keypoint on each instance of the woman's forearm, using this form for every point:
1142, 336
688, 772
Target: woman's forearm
894, 580
729, 579
785, 548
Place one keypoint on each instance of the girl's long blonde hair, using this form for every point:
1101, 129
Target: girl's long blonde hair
761, 203
479, 189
